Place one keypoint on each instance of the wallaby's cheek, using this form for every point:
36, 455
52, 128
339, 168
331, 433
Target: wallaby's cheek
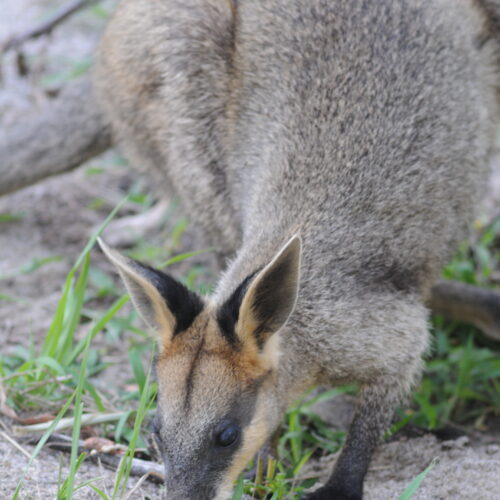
254, 437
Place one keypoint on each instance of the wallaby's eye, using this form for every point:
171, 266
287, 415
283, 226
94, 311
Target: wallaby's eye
228, 435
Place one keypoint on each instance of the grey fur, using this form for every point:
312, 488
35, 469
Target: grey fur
363, 126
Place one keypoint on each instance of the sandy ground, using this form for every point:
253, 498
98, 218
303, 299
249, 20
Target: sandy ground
465, 468
56, 222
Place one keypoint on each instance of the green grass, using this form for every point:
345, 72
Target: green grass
59, 375
303, 435
461, 383
411, 489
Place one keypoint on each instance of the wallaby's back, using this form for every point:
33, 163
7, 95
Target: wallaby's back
373, 116
364, 126
369, 125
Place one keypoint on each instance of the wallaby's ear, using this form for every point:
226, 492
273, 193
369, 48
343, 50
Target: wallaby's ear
166, 305
262, 304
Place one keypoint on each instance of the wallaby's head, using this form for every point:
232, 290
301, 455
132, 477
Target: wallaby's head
216, 369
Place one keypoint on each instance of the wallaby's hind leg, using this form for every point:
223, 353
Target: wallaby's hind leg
384, 356
373, 416
163, 79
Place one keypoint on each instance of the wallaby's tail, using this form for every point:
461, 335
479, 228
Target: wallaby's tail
470, 304
491, 13
68, 132
492, 9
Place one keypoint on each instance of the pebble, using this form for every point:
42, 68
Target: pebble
492, 449
461, 442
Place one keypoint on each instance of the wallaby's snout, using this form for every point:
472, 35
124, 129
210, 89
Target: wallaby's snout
207, 407
216, 369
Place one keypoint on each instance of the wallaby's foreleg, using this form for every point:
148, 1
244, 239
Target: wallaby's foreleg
470, 304
373, 416
70, 131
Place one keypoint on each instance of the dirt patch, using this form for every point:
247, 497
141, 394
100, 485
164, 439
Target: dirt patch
465, 468
44, 476
462, 471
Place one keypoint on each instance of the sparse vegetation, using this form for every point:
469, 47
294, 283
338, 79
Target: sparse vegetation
462, 378
461, 382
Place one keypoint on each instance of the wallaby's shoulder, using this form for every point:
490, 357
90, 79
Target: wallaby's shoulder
385, 111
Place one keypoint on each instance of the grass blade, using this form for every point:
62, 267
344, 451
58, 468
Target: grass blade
74, 313
96, 234
75, 437
183, 256
42, 441
147, 398
415, 484
110, 313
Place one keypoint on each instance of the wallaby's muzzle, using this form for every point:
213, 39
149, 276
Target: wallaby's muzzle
176, 490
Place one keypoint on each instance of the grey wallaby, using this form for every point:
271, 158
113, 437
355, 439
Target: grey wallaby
334, 150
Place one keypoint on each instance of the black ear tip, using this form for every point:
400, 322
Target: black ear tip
184, 304
228, 313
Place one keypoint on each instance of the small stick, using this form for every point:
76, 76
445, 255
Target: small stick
45, 27
14, 443
68, 422
139, 467
152, 470
50, 380
137, 486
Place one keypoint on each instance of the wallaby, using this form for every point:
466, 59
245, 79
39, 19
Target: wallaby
334, 151
337, 150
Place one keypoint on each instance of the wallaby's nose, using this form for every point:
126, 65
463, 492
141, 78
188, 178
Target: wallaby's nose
188, 487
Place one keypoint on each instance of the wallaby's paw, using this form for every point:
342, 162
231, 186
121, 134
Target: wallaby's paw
333, 493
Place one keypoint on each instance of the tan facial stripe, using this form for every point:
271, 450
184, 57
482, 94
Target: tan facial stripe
255, 435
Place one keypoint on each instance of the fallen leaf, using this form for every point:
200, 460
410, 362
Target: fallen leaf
103, 445
87, 431
36, 419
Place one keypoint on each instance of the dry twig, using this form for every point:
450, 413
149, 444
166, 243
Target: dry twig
45, 27
14, 443
152, 470
68, 423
